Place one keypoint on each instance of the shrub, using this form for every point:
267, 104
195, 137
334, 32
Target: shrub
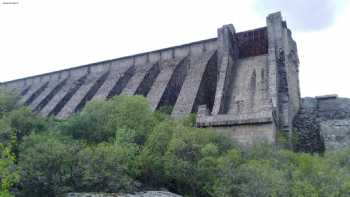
8, 171
100, 120
107, 168
46, 164
8, 102
120, 145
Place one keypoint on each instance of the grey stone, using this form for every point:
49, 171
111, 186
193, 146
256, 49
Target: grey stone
138, 194
323, 123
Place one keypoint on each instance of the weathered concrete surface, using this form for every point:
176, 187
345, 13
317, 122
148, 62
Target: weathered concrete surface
335, 133
149, 70
161, 82
250, 133
53, 87
185, 103
53, 107
254, 97
323, 123
78, 97
249, 91
227, 57
139, 194
112, 79
33, 91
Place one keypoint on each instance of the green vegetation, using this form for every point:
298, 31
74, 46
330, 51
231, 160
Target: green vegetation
121, 146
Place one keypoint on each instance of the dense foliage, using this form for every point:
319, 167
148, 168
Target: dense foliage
120, 145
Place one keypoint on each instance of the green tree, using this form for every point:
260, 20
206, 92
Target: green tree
19, 123
47, 166
132, 113
90, 124
100, 120
190, 159
7, 134
151, 158
8, 171
260, 178
8, 101
24, 121
225, 185
107, 168
120, 145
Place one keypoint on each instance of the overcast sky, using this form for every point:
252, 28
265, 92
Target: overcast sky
38, 36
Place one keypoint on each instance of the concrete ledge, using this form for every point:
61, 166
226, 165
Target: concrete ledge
231, 120
249, 133
328, 96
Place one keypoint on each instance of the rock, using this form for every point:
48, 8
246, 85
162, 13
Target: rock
307, 128
323, 123
138, 194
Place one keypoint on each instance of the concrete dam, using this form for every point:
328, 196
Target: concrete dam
243, 83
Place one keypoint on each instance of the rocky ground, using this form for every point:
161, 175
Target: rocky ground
139, 194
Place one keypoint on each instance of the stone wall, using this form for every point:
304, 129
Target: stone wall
323, 123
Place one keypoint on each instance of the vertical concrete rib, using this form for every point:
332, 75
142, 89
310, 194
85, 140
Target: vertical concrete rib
188, 100
77, 84
48, 94
36, 93
227, 57
142, 80
79, 94
25, 90
274, 36
175, 84
160, 84
148, 80
33, 92
92, 91
112, 79
55, 104
121, 83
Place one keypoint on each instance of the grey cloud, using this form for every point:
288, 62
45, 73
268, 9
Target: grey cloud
303, 15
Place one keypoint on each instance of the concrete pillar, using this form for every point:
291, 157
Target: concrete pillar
227, 57
279, 74
274, 36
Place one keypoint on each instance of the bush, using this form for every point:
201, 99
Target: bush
8, 102
8, 171
90, 124
47, 165
121, 146
107, 168
100, 120
182, 158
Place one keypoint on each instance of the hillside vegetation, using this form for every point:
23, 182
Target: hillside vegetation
120, 145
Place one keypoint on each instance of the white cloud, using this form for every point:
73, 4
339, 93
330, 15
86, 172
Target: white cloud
304, 15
